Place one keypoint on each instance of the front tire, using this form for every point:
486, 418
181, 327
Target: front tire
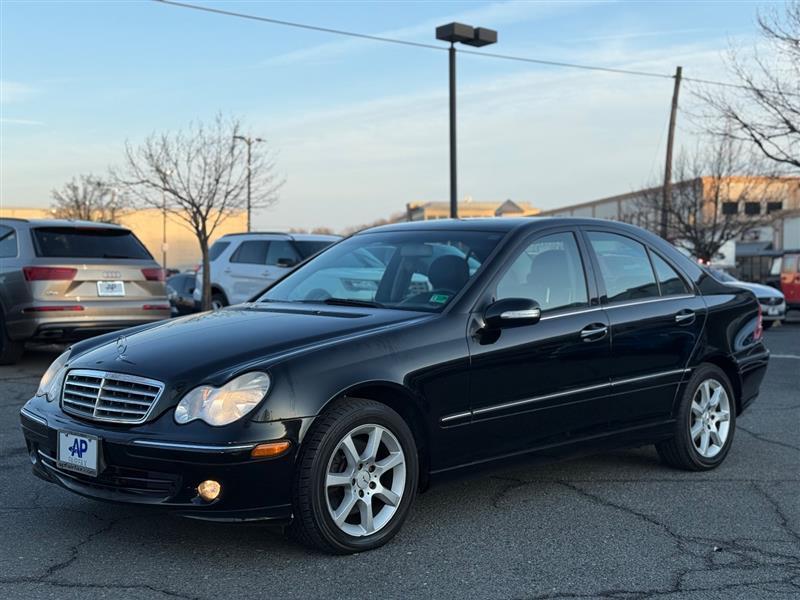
706, 422
356, 478
218, 301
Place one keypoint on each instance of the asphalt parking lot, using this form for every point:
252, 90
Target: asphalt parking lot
616, 525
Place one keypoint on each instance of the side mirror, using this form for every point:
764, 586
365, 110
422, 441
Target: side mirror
512, 312
286, 262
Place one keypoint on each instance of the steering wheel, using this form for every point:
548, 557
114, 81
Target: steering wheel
425, 297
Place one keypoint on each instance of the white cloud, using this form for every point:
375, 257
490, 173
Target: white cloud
20, 121
14, 91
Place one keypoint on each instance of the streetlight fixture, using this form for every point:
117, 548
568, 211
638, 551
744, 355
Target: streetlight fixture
471, 36
249, 141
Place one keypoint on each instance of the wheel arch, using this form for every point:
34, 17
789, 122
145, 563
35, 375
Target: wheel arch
217, 289
403, 402
729, 368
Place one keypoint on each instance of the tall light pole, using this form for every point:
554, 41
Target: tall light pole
167, 174
472, 36
249, 141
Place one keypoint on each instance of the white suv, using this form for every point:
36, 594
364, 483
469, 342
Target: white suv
243, 264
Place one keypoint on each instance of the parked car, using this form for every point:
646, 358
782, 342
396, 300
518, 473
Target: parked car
65, 280
773, 304
790, 279
180, 293
243, 264
330, 411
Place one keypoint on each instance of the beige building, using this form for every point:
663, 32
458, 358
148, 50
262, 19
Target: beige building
182, 249
744, 196
424, 211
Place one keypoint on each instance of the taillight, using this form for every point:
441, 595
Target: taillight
153, 274
49, 273
759, 332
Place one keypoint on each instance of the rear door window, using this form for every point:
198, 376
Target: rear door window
625, 267
72, 242
252, 252
8, 242
669, 280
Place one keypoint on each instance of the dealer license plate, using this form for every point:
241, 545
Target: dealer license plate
78, 452
110, 288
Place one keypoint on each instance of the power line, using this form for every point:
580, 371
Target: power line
379, 38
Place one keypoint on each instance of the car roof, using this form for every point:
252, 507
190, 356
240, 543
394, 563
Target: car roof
501, 224
286, 236
76, 223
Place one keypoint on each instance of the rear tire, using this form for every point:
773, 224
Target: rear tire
10, 350
706, 422
218, 301
356, 478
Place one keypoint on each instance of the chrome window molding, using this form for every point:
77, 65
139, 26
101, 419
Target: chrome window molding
650, 300
193, 447
589, 388
111, 376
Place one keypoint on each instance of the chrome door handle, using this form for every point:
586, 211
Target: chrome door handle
685, 317
594, 332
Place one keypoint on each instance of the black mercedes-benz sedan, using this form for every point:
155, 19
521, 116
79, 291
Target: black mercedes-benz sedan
398, 355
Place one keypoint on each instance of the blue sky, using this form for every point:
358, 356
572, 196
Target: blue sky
360, 127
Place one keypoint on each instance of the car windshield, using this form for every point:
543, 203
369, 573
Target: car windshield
409, 270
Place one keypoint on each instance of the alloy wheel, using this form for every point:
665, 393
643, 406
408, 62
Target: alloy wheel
365, 480
709, 418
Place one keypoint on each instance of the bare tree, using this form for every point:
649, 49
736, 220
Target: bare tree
88, 198
765, 109
200, 176
716, 187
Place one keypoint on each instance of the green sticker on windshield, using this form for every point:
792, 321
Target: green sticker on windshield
438, 299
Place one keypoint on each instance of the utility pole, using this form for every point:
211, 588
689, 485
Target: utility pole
249, 141
666, 200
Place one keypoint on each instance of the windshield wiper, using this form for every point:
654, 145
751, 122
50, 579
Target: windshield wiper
352, 302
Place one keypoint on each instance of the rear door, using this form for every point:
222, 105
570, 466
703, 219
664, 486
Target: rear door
656, 320
85, 264
246, 272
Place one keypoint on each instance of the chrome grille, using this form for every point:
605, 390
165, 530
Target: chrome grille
104, 396
771, 301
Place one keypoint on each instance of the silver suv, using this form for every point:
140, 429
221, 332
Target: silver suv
66, 280
243, 264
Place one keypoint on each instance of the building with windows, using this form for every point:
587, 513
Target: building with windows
744, 197
425, 211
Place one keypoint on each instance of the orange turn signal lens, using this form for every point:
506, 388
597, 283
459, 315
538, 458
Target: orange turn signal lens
270, 449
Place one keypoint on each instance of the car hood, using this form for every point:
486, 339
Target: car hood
761, 291
207, 346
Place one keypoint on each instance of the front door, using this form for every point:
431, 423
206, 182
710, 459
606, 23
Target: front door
535, 384
656, 322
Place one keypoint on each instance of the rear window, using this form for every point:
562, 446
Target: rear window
216, 249
70, 242
8, 242
308, 248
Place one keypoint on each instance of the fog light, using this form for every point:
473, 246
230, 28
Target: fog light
209, 490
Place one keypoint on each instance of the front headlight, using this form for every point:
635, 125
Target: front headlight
53, 378
220, 406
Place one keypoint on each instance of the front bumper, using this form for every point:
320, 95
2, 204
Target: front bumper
773, 312
137, 467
